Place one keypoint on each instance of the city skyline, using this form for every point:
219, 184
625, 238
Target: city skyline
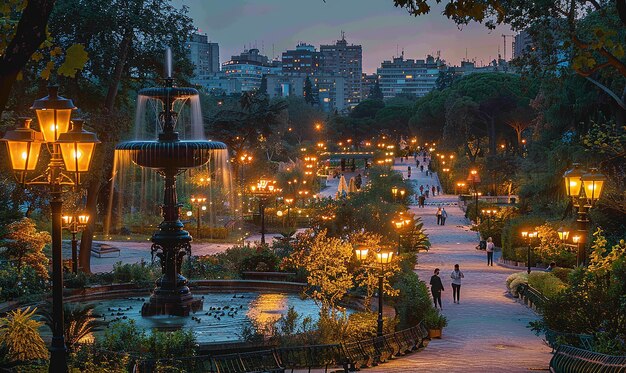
383, 30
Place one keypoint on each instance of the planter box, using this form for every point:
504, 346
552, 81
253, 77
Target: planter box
434, 333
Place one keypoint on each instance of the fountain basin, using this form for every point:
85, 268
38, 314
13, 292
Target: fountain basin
171, 154
167, 93
209, 325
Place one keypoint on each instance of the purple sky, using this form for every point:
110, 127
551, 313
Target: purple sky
375, 24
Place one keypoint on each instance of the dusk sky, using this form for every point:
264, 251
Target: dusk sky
375, 24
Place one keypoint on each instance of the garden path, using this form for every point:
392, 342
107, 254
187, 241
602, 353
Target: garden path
487, 331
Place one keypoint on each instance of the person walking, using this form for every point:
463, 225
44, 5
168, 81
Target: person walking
422, 168
421, 189
409, 172
438, 215
438, 189
489, 250
444, 215
433, 190
436, 287
422, 199
456, 277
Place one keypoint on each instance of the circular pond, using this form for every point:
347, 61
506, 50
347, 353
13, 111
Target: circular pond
222, 318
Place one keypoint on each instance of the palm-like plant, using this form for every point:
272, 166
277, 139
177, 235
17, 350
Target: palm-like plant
19, 334
79, 322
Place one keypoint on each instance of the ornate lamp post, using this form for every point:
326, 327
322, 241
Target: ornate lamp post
584, 188
263, 190
244, 160
400, 224
528, 237
70, 156
74, 224
198, 202
383, 258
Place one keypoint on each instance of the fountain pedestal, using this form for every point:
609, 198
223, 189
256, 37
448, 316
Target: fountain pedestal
170, 156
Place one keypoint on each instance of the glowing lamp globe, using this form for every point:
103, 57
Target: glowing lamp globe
361, 253
53, 114
593, 182
83, 219
77, 147
563, 233
24, 145
573, 181
384, 257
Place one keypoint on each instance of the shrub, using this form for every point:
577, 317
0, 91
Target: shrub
434, 319
546, 283
137, 273
414, 300
562, 273
263, 261
19, 335
521, 279
515, 276
14, 284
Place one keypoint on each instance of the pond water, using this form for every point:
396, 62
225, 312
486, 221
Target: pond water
221, 319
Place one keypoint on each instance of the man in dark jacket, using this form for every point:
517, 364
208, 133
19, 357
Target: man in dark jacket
436, 287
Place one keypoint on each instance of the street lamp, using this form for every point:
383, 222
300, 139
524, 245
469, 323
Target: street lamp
394, 192
74, 224
584, 188
70, 156
475, 179
243, 160
198, 202
383, 258
528, 237
488, 213
263, 190
400, 223
288, 202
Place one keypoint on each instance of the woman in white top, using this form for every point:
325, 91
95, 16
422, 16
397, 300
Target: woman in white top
490, 247
456, 276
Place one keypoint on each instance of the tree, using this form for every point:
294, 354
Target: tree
125, 41
25, 246
366, 109
308, 92
327, 266
445, 79
19, 334
586, 33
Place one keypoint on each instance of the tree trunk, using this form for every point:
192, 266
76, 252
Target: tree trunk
119, 68
30, 33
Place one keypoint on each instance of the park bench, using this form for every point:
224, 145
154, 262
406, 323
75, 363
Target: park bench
104, 249
355, 356
311, 357
264, 361
571, 359
554, 339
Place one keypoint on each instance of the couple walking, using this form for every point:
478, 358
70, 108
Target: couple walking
442, 215
436, 286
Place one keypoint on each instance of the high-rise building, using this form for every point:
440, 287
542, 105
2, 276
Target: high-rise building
368, 82
304, 59
327, 89
413, 77
347, 61
204, 55
523, 44
249, 68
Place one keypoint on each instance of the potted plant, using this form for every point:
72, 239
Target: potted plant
434, 322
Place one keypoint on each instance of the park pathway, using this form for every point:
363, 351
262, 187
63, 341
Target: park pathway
487, 331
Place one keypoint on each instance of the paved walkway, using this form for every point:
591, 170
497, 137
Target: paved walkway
487, 331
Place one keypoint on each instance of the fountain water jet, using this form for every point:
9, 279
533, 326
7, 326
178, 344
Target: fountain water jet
170, 156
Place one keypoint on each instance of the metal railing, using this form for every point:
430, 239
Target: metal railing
348, 356
569, 359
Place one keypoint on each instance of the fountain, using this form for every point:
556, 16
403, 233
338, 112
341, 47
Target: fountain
170, 156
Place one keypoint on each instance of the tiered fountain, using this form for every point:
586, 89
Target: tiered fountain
170, 156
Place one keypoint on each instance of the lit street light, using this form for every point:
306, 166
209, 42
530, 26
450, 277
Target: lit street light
383, 258
71, 153
198, 203
584, 188
528, 237
263, 190
74, 224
